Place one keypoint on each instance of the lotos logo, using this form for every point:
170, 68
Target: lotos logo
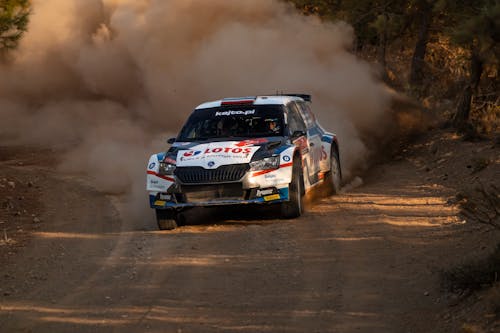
190, 153
228, 150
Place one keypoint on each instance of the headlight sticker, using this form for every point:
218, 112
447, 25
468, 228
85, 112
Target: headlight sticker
169, 160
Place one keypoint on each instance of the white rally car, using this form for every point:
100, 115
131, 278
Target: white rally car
249, 150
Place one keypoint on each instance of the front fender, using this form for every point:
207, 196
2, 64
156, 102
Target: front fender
154, 181
279, 178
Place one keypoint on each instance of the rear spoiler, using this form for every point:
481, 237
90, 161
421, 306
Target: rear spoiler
305, 97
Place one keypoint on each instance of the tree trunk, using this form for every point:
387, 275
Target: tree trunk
381, 51
464, 106
418, 59
476, 69
463, 110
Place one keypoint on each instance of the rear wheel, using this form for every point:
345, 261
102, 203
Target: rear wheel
166, 219
294, 207
334, 178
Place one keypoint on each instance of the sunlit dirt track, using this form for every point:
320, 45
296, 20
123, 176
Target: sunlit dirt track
364, 261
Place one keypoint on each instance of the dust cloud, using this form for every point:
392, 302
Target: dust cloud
107, 81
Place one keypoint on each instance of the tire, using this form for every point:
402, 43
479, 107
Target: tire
166, 219
335, 175
294, 207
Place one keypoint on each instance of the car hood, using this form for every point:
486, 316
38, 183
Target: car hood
211, 155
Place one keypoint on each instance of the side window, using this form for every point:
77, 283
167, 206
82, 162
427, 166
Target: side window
309, 117
295, 121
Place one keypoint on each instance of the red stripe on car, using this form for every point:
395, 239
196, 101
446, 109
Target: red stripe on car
170, 179
263, 172
240, 101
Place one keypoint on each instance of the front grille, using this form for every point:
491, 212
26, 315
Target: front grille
204, 193
199, 175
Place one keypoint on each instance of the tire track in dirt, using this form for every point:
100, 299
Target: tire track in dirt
365, 261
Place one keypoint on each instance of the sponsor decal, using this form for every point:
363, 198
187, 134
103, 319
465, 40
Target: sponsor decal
261, 193
221, 153
166, 197
190, 153
267, 176
324, 155
151, 165
286, 158
251, 142
229, 150
234, 113
159, 187
216, 150
160, 203
272, 197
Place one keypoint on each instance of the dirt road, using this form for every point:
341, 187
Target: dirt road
364, 261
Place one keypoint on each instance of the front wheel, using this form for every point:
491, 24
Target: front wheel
166, 219
294, 207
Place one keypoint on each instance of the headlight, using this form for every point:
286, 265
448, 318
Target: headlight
265, 163
166, 168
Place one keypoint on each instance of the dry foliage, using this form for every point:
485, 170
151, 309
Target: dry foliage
482, 203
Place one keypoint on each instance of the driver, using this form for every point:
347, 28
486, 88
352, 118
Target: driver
272, 124
226, 128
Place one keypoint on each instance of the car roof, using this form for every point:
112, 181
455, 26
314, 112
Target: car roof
254, 100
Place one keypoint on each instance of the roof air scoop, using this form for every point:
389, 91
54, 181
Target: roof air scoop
238, 100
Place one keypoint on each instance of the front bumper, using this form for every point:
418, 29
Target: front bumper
180, 200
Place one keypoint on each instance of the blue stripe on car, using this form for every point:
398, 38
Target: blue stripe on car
327, 138
314, 131
152, 199
283, 193
281, 149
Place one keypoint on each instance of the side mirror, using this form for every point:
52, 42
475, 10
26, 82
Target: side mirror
171, 140
298, 134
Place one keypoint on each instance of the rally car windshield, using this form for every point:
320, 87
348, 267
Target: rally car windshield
252, 121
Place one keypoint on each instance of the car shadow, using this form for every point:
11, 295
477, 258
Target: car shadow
250, 214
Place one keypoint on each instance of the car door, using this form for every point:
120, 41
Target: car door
314, 134
296, 123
